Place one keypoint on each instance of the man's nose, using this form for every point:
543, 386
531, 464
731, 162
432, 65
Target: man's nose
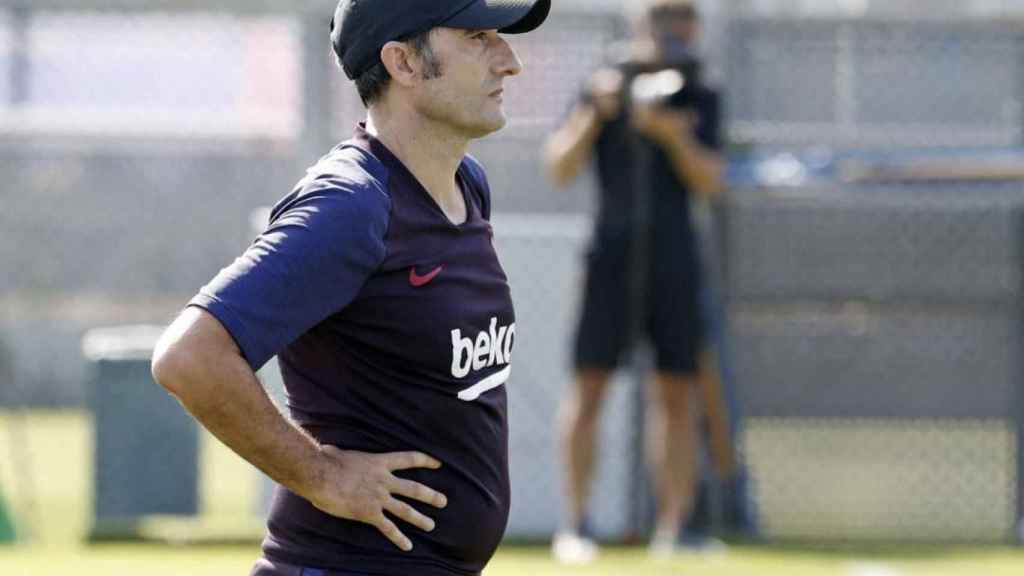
508, 62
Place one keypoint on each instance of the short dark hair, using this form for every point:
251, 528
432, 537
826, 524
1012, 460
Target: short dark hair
372, 83
685, 9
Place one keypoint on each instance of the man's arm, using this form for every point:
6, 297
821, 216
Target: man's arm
569, 149
699, 167
198, 361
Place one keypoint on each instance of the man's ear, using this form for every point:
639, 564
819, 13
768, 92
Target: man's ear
400, 63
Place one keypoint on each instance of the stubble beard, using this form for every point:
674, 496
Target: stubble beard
462, 116
450, 110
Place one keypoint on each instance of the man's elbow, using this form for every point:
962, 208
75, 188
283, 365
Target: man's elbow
193, 355
169, 367
178, 364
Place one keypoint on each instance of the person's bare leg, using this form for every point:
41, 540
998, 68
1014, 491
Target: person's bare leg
672, 449
720, 442
579, 424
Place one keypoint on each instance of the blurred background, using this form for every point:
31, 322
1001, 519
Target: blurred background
867, 255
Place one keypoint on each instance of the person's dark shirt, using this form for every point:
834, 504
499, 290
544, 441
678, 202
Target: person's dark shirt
394, 329
616, 154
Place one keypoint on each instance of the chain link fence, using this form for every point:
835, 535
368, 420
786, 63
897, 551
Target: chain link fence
874, 327
875, 83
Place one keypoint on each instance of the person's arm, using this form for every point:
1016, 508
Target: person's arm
569, 149
324, 241
696, 165
199, 362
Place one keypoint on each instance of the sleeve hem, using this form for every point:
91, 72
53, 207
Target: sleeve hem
223, 313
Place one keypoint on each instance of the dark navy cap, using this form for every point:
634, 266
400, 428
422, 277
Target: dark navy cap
362, 27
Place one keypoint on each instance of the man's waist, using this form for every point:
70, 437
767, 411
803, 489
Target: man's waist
301, 534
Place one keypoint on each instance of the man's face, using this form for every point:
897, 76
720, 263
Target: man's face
466, 94
677, 31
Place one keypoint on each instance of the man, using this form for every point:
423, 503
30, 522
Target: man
377, 286
680, 141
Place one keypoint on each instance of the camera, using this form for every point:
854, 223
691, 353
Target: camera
677, 84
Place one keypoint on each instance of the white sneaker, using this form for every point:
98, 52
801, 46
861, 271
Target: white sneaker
707, 546
571, 548
662, 546
665, 546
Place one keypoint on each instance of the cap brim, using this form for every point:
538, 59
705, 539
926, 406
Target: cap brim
505, 16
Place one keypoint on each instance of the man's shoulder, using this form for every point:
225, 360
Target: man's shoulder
346, 177
347, 168
350, 167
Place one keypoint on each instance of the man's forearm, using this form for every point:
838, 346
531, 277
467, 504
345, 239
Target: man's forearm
243, 417
696, 166
569, 149
220, 390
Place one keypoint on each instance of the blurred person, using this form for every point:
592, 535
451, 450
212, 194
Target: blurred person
377, 286
679, 137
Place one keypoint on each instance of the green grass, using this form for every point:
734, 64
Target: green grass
59, 447
155, 560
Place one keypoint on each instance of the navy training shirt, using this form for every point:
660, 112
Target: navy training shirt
394, 330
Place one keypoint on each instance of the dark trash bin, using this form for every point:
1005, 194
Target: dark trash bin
146, 445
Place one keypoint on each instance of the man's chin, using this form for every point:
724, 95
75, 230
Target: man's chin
486, 127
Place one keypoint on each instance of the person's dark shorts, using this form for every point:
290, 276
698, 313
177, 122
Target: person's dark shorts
265, 567
672, 319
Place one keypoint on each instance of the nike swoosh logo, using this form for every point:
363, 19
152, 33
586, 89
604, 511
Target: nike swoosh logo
416, 280
491, 382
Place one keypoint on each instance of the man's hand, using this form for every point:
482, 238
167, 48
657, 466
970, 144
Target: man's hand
697, 167
606, 93
360, 486
663, 125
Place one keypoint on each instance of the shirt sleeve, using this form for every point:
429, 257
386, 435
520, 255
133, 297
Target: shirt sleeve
319, 249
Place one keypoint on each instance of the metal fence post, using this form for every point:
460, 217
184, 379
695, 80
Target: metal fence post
317, 68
